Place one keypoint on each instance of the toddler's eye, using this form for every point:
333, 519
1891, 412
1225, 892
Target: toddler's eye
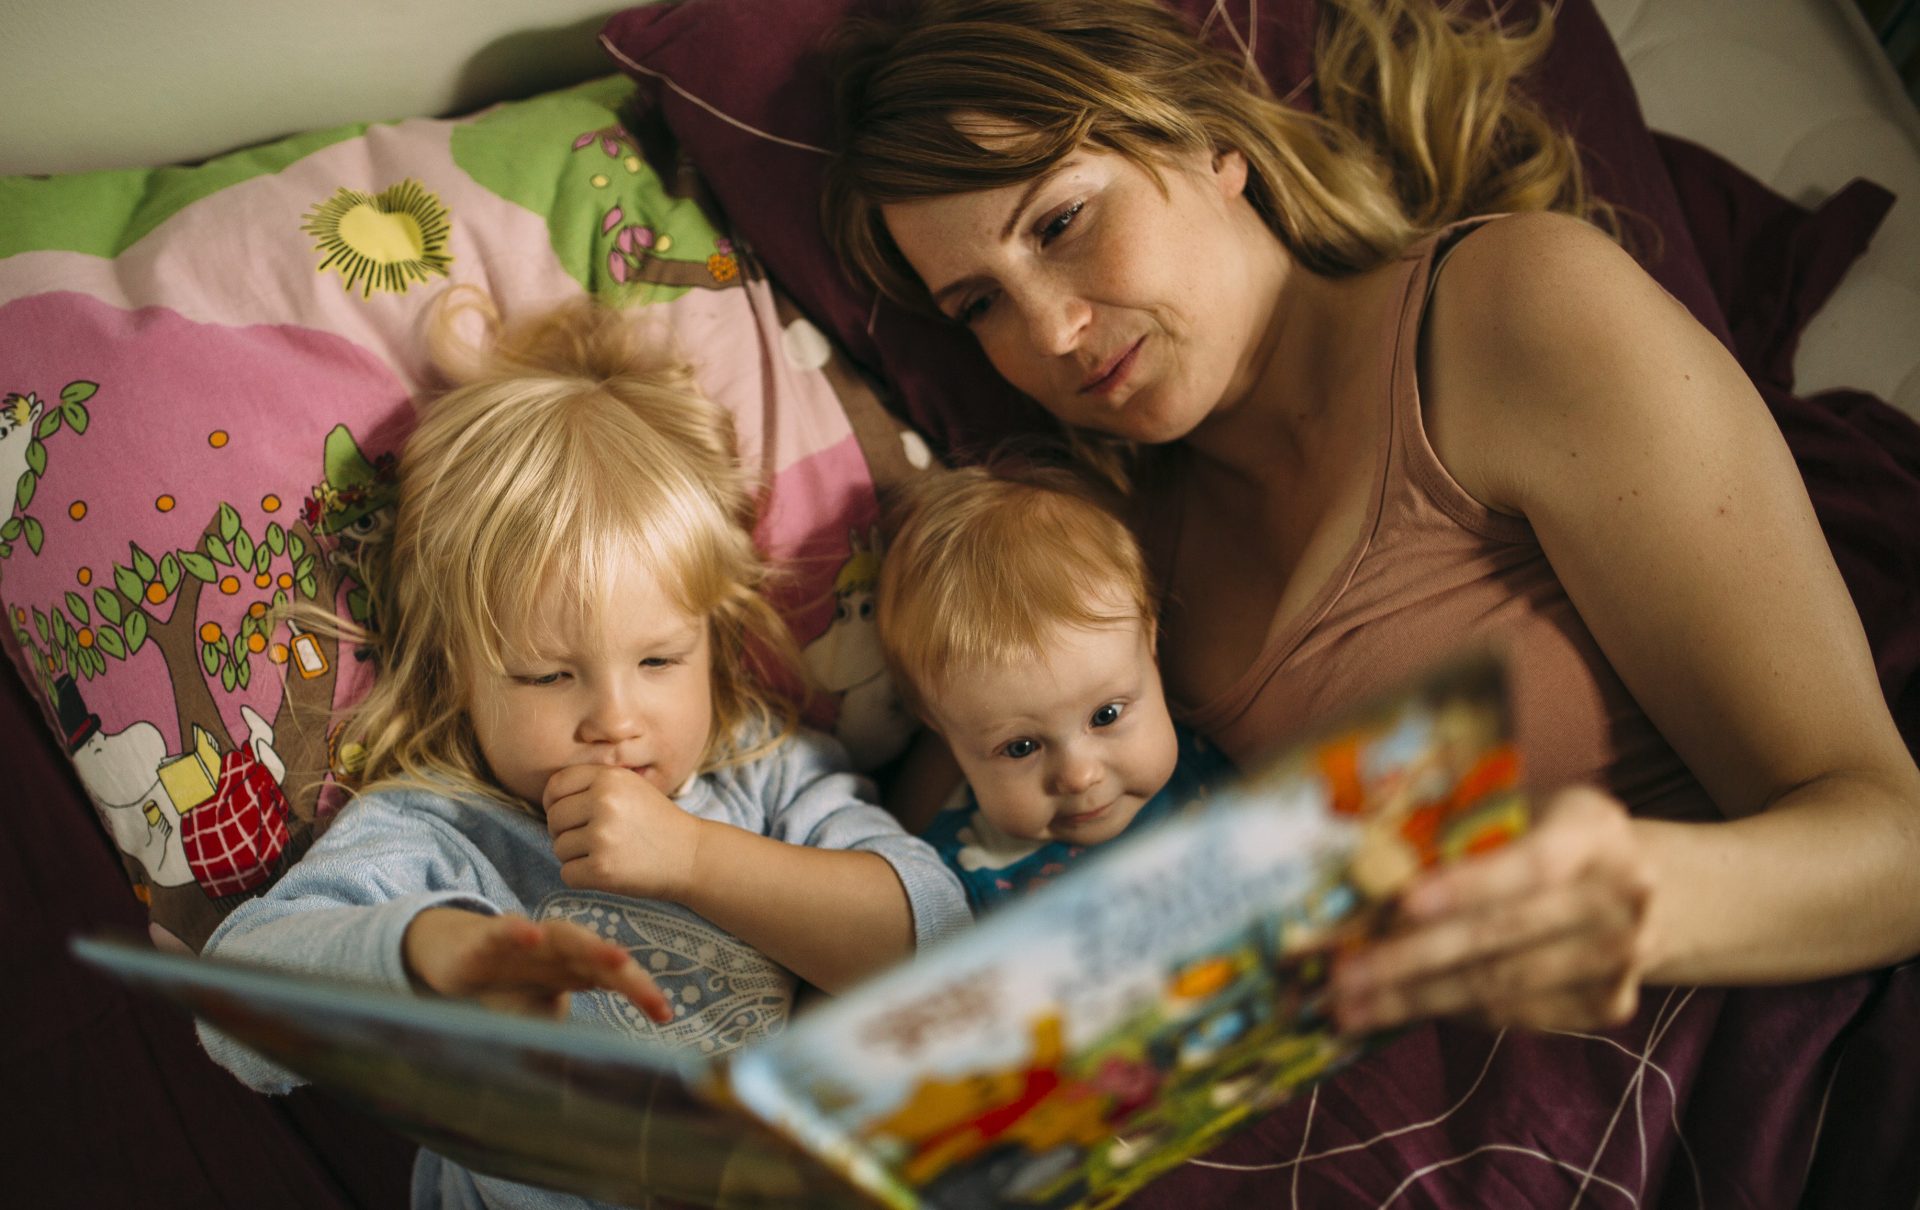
1108, 715
549, 678
1020, 748
658, 661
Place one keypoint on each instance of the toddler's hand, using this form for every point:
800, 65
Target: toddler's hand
615, 831
522, 966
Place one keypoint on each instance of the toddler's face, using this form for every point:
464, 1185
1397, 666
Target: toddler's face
1068, 746
630, 686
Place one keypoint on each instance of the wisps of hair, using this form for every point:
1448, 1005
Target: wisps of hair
1421, 122
987, 561
565, 447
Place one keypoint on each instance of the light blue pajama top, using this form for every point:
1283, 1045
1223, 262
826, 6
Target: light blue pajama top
341, 910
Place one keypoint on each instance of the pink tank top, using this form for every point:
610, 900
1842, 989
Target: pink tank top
1433, 572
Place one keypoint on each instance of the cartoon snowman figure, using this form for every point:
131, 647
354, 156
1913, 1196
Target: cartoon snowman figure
120, 772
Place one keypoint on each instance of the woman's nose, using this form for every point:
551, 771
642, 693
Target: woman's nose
1055, 320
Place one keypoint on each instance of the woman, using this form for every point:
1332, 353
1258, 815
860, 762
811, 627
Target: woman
1370, 431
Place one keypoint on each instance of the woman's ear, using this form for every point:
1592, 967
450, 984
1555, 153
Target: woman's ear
1229, 172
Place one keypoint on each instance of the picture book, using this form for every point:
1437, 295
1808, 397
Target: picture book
1072, 1046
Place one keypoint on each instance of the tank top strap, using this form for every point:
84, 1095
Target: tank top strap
1411, 451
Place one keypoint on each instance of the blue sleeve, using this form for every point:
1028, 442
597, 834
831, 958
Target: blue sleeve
341, 911
813, 797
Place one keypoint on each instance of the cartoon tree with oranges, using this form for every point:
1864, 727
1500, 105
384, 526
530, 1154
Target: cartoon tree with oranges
157, 597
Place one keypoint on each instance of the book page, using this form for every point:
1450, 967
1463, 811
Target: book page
563, 1106
1163, 992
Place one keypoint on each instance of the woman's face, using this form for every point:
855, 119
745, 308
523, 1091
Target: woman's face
1119, 305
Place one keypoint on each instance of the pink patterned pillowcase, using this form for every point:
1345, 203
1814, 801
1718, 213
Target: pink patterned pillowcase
204, 377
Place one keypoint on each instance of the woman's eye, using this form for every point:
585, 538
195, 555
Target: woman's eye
975, 307
1056, 226
1108, 715
1019, 749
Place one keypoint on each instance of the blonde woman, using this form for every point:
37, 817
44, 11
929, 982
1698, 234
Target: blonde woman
565, 719
1369, 420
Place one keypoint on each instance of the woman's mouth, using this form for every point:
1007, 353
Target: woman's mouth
1110, 377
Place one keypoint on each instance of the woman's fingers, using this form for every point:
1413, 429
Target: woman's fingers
1548, 932
1579, 828
1529, 983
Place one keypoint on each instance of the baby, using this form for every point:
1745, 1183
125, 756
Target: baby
1019, 624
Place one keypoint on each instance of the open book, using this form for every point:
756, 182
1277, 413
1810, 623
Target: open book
1071, 1047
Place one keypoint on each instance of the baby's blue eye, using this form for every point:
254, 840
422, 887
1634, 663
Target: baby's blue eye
1020, 748
1107, 715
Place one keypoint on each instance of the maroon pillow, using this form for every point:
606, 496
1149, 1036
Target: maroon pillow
1772, 264
744, 86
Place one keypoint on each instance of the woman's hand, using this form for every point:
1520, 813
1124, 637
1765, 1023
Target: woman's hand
1550, 932
613, 830
519, 965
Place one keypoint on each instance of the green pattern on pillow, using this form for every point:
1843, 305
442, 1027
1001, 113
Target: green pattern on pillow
205, 373
103, 213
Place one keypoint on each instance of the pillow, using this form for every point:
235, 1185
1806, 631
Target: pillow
745, 86
1773, 263
204, 378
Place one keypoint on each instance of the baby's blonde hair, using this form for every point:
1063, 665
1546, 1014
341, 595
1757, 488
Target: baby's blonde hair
987, 560
567, 445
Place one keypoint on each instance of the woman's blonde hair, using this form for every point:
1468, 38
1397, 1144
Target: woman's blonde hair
1420, 122
987, 561
566, 446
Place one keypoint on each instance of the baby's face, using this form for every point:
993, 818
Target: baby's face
1067, 746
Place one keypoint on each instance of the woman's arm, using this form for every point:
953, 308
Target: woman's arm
1564, 386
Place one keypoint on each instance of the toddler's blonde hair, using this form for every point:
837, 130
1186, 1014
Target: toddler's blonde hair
566, 445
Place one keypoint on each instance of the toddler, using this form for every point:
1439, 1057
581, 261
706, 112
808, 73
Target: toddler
1018, 621
570, 760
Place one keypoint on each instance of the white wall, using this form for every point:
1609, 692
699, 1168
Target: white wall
124, 83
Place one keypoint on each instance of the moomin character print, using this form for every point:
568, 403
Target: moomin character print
846, 659
19, 416
120, 771
218, 819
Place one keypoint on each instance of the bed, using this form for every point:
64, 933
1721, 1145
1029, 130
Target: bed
1776, 107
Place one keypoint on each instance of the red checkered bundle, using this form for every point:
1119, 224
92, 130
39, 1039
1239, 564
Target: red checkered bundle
234, 839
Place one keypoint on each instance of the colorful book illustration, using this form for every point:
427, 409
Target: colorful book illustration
1072, 1047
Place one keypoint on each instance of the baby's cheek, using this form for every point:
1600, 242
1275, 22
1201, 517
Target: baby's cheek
1021, 817
1166, 754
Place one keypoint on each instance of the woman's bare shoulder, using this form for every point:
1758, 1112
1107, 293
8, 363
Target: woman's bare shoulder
1539, 323
1541, 277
